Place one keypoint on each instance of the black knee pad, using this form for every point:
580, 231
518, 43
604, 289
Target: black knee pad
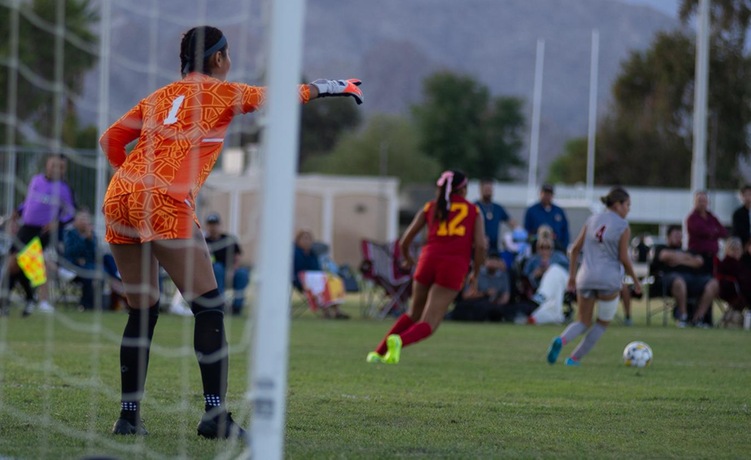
211, 301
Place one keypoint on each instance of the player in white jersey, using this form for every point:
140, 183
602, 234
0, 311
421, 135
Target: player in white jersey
604, 243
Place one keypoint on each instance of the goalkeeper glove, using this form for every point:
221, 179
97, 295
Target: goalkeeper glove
349, 87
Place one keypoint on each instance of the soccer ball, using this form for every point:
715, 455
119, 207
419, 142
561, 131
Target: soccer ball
637, 354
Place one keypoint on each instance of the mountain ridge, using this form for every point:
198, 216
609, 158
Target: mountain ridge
393, 45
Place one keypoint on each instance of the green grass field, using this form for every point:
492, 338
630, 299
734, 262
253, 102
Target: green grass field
470, 391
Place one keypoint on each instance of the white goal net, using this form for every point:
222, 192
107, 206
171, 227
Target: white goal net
68, 69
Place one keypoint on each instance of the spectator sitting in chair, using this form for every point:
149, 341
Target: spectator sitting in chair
734, 274
546, 271
684, 276
305, 260
704, 230
80, 247
225, 255
742, 216
488, 300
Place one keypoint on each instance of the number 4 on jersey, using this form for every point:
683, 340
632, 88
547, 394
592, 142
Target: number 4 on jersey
172, 115
599, 233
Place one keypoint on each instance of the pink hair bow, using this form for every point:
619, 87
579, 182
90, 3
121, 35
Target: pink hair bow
446, 176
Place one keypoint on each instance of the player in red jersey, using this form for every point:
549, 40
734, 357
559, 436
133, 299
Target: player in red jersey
456, 238
149, 210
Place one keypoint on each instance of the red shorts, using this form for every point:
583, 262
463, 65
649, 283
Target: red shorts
147, 216
449, 272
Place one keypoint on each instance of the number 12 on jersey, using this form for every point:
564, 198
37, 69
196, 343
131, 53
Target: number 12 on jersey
454, 227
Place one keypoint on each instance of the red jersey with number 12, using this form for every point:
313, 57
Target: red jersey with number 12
454, 236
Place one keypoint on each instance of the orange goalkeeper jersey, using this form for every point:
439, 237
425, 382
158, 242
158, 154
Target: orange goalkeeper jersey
180, 130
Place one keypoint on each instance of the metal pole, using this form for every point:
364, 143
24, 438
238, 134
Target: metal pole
593, 74
383, 152
268, 378
534, 144
699, 163
12, 117
102, 166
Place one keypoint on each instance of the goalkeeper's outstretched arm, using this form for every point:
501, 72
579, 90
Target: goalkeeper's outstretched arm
345, 88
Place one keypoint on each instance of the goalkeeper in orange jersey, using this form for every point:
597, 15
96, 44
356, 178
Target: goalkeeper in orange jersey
149, 210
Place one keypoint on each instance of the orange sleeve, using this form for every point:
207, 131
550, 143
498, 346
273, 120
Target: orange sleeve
120, 134
252, 97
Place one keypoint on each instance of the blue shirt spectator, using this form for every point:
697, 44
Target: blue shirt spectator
539, 262
80, 249
545, 212
493, 214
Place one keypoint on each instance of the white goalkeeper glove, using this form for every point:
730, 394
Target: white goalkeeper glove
327, 88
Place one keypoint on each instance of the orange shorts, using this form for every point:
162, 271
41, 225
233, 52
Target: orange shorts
147, 216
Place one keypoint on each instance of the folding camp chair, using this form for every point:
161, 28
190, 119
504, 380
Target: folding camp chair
320, 290
389, 287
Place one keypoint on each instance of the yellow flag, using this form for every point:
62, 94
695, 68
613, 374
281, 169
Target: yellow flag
31, 261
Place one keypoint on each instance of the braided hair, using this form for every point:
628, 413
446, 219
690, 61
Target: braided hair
197, 47
450, 182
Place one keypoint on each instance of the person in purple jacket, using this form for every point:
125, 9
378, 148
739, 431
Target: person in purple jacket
49, 203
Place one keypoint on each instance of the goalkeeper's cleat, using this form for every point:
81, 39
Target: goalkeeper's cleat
374, 357
124, 427
554, 350
349, 87
572, 362
220, 426
394, 345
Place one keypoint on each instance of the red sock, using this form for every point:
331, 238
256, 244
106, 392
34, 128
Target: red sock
400, 325
419, 331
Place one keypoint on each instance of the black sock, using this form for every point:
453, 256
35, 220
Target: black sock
25, 284
210, 345
134, 358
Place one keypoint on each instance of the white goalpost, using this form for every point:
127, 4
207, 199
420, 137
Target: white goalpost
268, 375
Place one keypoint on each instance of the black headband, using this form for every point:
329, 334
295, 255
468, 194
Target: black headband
221, 43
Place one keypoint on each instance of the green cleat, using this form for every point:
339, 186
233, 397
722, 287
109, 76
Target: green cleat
394, 344
374, 358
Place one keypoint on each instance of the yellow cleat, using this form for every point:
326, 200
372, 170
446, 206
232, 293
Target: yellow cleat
394, 344
374, 358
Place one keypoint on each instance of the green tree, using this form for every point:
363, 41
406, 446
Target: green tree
730, 18
323, 123
571, 166
463, 127
647, 133
37, 23
647, 138
387, 145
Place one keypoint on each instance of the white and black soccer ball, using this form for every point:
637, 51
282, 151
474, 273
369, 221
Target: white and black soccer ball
637, 354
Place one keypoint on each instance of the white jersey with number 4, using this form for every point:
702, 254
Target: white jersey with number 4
601, 268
